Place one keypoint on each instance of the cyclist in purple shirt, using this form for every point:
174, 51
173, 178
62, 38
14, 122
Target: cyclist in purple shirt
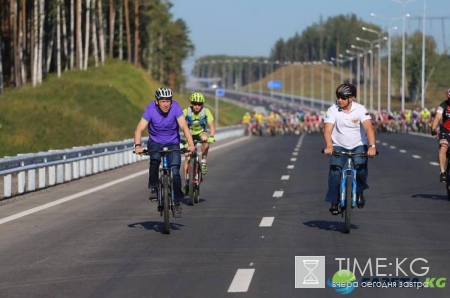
163, 118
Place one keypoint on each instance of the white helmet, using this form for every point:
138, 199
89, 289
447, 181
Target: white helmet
163, 92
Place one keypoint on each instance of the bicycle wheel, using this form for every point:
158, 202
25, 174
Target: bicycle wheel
191, 185
166, 203
197, 184
348, 202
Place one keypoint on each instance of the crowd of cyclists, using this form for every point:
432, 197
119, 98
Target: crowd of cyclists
282, 120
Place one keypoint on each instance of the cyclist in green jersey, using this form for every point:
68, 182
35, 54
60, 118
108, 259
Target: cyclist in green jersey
198, 118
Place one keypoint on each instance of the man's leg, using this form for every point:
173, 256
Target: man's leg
361, 175
205, 148
334, 178
155, 159
443, 146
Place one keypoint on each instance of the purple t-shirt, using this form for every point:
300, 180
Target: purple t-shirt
163, 128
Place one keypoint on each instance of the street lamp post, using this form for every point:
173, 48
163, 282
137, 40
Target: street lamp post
390, 27
403, 3
364, 51
358, 67
379, 66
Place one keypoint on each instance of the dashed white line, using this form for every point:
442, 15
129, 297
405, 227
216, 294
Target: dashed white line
294, 153
293, 159
392, 147
285, 177
278, 194
241, 281
433, 163
384, 144
290, 167
403, 151
416, 156
266, 221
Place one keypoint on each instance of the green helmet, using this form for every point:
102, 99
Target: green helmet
197, 97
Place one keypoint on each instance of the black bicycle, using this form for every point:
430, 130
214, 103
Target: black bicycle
447, 166
165, 191
194, 174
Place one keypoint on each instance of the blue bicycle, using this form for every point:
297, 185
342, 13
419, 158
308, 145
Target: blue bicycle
347, 197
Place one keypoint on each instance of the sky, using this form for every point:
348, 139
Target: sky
252, 27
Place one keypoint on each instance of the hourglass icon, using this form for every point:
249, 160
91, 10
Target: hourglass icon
310, 278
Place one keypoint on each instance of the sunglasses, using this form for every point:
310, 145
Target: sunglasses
196, 103
343, 98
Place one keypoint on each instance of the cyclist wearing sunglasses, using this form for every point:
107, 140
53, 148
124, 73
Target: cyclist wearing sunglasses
348, 126
198, 118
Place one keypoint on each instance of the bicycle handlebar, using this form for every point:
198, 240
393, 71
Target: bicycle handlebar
164, 151
349, 153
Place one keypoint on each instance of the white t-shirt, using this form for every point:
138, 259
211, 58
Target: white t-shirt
348, 131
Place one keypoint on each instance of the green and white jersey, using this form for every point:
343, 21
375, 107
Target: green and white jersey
197, 122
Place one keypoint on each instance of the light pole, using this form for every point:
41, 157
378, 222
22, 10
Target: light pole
322, 90
302, 81
358, 67
371, 43
341, 70
423, 56
379, 66
403, 3
389, 52
332, 82
364, 72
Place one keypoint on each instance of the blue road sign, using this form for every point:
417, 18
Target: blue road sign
220, 92
274, 84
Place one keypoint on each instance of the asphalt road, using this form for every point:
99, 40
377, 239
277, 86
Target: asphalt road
262, 204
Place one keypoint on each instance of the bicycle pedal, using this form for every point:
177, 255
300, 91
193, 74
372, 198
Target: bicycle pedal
177, 212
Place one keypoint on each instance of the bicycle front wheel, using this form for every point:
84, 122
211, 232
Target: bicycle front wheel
166, 203
191, 185
197, 184
348, 202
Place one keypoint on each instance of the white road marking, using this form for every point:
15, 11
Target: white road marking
241, 281
294, 153
416, 156
285, 177
296, 149
278, 194
92, 190
290, 167
267, 221
384, 144
403, 151
433, 163
293, 159
392, 147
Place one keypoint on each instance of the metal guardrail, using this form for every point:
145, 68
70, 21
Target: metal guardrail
59, 166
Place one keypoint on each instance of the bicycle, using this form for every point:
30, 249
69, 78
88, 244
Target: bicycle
165, 192
194, 175
347, 198
447, 166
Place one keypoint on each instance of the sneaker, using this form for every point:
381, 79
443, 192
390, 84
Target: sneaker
204, 168
360, 201
334, 209
443, 177
177, 211
153, 197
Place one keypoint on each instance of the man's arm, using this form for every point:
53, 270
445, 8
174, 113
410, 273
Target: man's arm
138, 134
437, 120
367, 125
187, 133
327, 129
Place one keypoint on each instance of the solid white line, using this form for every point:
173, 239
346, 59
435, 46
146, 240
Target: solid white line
416, 156
241, 281
266, 221
278, 194
91, 190
434, 163
285, 177
290, 166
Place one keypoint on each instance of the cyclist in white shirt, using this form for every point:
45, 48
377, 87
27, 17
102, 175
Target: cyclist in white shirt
348, 126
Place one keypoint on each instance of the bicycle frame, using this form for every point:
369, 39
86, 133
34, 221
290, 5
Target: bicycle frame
348, 170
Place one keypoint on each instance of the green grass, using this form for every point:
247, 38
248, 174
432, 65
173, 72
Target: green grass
82, 108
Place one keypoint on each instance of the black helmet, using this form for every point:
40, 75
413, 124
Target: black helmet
346, 90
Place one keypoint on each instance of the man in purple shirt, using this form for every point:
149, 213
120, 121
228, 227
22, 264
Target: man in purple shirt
164, 118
